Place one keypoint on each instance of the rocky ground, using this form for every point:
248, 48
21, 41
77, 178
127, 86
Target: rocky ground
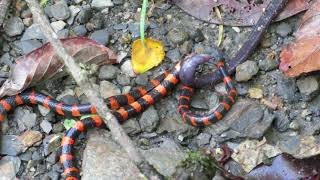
281, 111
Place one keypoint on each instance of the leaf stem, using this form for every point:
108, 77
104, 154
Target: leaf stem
142, 20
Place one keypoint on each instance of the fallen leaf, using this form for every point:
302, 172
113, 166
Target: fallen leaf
286, 166
43, 63
251, 153
145, 57
69, 123
237, 13
302, 55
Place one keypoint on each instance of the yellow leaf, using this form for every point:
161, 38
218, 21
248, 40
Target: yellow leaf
146, 56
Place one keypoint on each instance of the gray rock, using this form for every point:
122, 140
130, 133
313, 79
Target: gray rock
246, 119
142, 79
166, 157
10, 145
308, 87
126, 68
174, 55
121, 26
284, 29
25, 118
58, 25
47, 11
6, 59
74, 12
33, 32
286, 88
149, 119
186, 47
268, 64
197, 35
99, 4
282, 121
43, 111
60, 11
100, 36
246, 71
105, 159
80, 30
134, 29
36, 156
171, 121
123, 79
84, 15
108, 72
64, 33
46, 126
108, 89
118, 2
29, 45
14, 26
203, 139
9, 167
132, 127
177, 36
25, 156
51, 143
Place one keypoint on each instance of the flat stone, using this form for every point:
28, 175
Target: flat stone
142, 79
46, 126
108, 72
132, 127
74, 11
123, 79
108, 89
60, 11
105, 159
25, 118
29, 45
177, 36
10, 145
284, 29
256, 93
84, 15
43, 111
127, 68
308, 87
9, 167
80, 30
246, 70
14, 26
51, 143
33, 32
100, 36
246, 119
166, 157
101, 3
149, 119
58, 25
286, 88
30, 137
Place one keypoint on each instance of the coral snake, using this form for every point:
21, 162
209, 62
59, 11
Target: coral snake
127, 105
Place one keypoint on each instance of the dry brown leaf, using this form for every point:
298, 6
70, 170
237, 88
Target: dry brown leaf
43, 63
236, 13
303, 55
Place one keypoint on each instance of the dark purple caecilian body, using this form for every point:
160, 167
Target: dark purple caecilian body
218, 113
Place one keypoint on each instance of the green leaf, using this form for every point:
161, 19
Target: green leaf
69, 123
43, 2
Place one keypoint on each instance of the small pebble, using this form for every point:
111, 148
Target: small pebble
245, 71
255, 93
60, 11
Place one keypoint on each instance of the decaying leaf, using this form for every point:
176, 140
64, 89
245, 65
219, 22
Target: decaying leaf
251, 153
303, 55
145, 57
286, 166
236, 13
43, 63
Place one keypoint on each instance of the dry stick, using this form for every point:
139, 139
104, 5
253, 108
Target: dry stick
82, 80
4, 5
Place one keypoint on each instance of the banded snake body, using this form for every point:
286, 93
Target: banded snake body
126, 106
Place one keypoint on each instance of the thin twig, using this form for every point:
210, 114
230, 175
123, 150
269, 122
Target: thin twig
81, 78
4, 5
